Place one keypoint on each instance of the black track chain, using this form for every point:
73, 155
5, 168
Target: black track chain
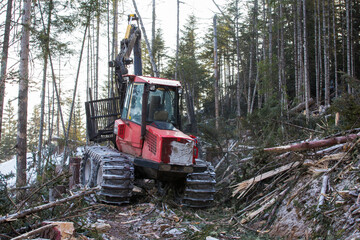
200, 188
117, 174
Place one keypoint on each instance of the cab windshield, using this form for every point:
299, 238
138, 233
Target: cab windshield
162, 105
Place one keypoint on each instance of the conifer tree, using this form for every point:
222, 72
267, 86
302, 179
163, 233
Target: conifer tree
8, 140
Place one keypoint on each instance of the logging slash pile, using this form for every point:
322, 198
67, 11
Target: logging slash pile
308, 190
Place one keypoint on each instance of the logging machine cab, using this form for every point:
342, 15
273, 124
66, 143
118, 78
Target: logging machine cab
162, 102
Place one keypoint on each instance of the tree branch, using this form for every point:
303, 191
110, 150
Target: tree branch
26, 212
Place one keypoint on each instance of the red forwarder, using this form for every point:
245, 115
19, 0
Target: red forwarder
143, 122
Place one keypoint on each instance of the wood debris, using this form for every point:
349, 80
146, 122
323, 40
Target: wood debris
241, 187
15, 216
313, 144
299, 183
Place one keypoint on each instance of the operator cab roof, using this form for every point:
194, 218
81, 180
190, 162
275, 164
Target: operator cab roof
154, 80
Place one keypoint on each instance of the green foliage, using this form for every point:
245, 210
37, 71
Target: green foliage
348, 105
218, 137
8, 133
268, 129
77, 127
33, 129
159, 53
5, 203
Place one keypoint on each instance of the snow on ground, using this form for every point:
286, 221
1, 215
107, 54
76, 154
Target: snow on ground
9, 166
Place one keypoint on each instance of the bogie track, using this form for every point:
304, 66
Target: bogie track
112, 171
200, 188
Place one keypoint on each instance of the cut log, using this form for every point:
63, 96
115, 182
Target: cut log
253, 214
323, 192
302, 106
29, 211
336, 156
264, 206
313, 144
33, 232
330, 149
247, 183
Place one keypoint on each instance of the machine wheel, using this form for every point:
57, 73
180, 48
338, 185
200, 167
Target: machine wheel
86, 170
114, 173
200, 188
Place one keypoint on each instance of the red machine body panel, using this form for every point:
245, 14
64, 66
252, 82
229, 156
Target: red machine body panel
155, 141
128, 137
160, 146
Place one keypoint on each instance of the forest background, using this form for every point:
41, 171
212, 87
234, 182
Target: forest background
266, 57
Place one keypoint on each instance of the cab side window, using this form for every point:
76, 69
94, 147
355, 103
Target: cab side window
126, 102
135, 107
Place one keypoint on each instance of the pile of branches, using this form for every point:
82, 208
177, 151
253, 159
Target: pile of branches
315, 181
33, 210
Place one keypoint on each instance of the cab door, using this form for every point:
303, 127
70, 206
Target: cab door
128, 139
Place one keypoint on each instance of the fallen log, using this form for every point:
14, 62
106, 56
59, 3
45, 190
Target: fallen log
33, 232
313, 144
302, 106
247, 183
322, 192
15, 216
263, 207
251, 215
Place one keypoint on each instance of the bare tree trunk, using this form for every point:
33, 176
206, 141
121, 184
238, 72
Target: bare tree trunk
96, 80
269, 12
115, 49
348, 44
190, 107
306, 67
326, 57
74, 94
282, 83
21, 145
43, 87
334, 47
216, 76
4, 58
296, 56
177, 38
319, 52
153, 64
153, 29
254, 91
250, 78
300, 52
238, 85
109, 79
317, 79
352, 62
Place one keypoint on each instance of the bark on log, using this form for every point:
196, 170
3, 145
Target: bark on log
26, 212
264, 206
323, 191
33, 232
302, 106
247, 183
313, 144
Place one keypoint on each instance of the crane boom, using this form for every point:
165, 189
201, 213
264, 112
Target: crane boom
131, 41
